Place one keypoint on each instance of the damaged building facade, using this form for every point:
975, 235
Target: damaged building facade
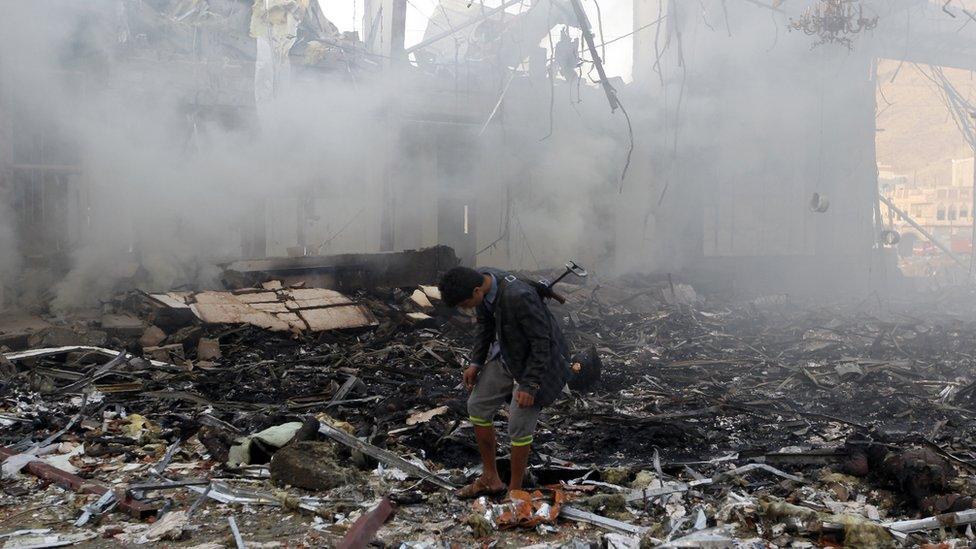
466, 142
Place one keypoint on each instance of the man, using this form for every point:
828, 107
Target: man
518, 353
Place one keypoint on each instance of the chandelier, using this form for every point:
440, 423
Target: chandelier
834, 21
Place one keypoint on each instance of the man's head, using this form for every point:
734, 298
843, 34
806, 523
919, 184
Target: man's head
463, 287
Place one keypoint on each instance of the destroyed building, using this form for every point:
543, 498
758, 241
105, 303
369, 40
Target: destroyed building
222, 224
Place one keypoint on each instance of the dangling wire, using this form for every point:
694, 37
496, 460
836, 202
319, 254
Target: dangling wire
552, 76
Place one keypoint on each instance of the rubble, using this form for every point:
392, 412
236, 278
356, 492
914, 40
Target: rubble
712, 422
285, 309
311, 465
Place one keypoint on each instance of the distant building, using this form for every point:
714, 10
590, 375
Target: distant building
962, 172
942, 208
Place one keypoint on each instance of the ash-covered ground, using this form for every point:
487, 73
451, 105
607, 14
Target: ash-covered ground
869, 402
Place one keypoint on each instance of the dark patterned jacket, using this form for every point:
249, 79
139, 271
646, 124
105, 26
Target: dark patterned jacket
532, 344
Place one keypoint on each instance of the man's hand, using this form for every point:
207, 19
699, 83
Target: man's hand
523, 399
471, 376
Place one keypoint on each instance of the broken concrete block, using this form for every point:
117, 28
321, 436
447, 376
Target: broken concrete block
420, 318
171, 310
311, 465
122, 325
95, 338
208, 349
272, 285
282, 310
421, 300
170, 527
55, 336
17, 329
424, 417
152, 337
432, 292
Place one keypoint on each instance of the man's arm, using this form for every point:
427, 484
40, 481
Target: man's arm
534, 322
484, 336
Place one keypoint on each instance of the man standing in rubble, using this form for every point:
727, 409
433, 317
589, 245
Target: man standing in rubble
519, 353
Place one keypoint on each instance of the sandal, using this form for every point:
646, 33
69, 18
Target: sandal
477, 489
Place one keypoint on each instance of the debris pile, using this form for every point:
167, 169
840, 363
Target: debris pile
236, 418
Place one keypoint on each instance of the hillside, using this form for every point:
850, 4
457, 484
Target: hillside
916, 134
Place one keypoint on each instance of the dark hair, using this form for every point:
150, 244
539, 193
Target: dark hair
459, 284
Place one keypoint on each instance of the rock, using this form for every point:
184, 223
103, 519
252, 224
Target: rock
208, 349
152, 337
310, 465
170, 527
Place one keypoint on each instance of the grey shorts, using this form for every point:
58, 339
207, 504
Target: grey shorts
493, 389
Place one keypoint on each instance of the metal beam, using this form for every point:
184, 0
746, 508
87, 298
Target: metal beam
929, 236
584, 24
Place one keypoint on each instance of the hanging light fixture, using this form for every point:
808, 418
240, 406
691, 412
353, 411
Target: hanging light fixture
834, 21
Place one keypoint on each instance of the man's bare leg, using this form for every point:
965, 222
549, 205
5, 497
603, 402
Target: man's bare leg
520, 460
489, 481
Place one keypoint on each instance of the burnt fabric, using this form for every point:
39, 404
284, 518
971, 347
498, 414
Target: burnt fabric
533, 348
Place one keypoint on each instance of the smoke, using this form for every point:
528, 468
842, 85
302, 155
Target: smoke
172, 178
178, 174
10, 260
736, 123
